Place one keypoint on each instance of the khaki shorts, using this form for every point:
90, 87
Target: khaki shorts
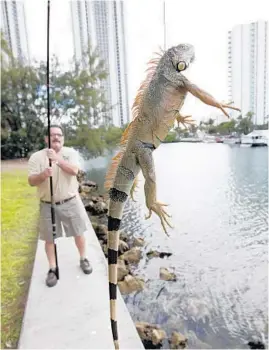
71, 215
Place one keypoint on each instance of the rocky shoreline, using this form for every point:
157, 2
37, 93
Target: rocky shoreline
130, 254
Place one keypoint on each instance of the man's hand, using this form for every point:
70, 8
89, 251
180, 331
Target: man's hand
53, 155
37, 179
47, 172
64, 165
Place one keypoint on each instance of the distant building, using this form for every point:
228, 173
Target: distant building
102, 23
248, 69
13, 25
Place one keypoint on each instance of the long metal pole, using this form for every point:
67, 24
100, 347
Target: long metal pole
51, 186
164, 27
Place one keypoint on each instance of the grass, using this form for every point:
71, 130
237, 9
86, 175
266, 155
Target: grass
19, 239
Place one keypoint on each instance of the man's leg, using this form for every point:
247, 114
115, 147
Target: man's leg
45, 228
49, 248
84, 262
51, 279
74, 217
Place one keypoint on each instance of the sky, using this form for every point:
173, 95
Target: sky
205, 24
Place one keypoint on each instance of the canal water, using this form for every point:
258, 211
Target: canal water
218, 199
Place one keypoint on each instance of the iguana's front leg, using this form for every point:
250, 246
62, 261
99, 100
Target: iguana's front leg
183, 120
145, 159
206, 97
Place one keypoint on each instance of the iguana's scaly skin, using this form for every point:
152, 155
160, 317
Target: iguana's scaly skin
156, 108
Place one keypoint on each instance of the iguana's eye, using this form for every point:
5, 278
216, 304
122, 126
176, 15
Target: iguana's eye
181, 66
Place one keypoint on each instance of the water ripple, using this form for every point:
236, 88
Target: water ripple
218, 198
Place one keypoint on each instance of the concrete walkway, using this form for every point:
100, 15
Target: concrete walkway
75, 313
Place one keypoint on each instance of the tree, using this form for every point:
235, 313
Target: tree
6, 53
211, 121
245, 125
21, 130
76, 96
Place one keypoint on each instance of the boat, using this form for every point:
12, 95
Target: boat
256, 138
190, 139
219, 139
209, 139
232, 140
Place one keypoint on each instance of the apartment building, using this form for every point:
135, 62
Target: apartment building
13, 25
248, 69
102, 23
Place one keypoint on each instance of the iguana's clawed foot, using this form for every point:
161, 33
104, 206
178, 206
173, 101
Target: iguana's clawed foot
157, 208
132, 194
184, 120
227, 105
133, 189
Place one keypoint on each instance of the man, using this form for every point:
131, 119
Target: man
69, 209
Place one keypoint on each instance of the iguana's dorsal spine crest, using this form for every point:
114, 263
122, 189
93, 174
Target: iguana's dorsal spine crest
152, 66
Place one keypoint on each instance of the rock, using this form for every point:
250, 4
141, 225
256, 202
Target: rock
90, 184
256, 345
101, 232
158, 335
123, 247
166, 275
178, 341
88, 205
123, 236
81, 175
102, 219
99, 208
156, 254
130, 284
94, 225
104, 248
85, 196
132, 256
85, 189
122, 270
150, 333
138, 242
98, 199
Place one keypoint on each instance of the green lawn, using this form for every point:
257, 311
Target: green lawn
19, 238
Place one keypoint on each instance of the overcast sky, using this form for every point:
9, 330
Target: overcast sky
202, 23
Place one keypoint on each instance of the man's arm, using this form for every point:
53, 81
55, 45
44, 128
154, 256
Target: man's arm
69, 168
37, 179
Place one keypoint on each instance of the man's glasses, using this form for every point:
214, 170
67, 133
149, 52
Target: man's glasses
59, 135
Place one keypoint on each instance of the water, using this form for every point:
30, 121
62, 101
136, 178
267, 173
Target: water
218, 196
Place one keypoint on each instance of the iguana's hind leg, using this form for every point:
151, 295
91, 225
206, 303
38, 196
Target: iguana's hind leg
157, 208
133, 188
145, 159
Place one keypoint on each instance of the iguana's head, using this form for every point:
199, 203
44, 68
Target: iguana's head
181, 56
176, 60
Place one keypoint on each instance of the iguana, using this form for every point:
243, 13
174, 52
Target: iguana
155, 109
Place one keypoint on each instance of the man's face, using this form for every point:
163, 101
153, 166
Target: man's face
56, 139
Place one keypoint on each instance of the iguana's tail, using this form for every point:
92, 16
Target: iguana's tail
112, 252
123, 184
113, 238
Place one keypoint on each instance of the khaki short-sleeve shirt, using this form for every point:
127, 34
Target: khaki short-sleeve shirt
64, 184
